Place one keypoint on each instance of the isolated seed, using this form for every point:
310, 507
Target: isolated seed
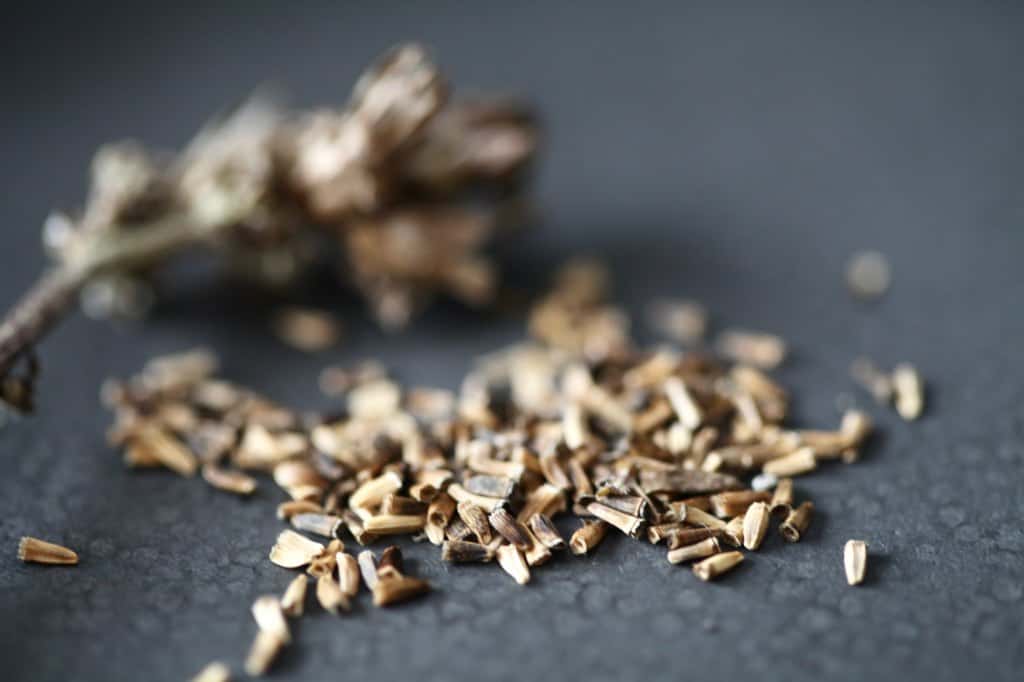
264, 650
782, 497
796, 522
330, 596
755, 525
512, 562
716, 565
269, 617
293, 550
800, 462
397, 589
293, 602
587, 537
214, 672
348, 574
909, 391
855, 559
34, 550
698, 550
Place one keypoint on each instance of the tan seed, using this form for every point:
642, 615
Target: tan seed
34, 550
855, 561
716, 565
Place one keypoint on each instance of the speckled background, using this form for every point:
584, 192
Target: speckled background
722, 151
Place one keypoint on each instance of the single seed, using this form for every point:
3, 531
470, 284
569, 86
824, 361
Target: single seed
440, 511
782, 497
686, 408
170, 451
856, 426
538, 553
401, 505
909, 391
716, 565
214, 672
735, 503
348, 574
269, 617
695, 516
734, 531
293, 602
491, 486
293, 550
755, 525
287, 510
796, 522
587, 537
688, 536
458, 551
476, 519
228, 480
330, 596
855, 560
578, 475
34, 550
574, 426
799, 462
628, 524
698, 550
544, 499
354, 524
391, 561
368, 567
510, 529
392, 524
488, 504
372, 493
512, 562
396, 589
264, 650
318, 524
545, 532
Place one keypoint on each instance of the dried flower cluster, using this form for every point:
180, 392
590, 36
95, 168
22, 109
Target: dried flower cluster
676, 449
410, 183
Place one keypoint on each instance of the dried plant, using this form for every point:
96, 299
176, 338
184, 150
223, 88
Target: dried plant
395, 177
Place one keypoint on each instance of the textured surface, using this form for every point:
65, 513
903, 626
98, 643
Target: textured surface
734, 155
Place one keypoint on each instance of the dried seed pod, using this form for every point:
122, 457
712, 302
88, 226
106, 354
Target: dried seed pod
628, 524
510, 529
368, 568
909, 391
491, 486
228, 480
476, 519
545, 532
735, 503
391, 524
587, 537
318, 524
348, 574
395, 589
796, 522
855, 558
440, 511
512, 562
458, 551
755, 525
799, 462
214, 672
293, 602
269, 617
330, 596
716, 565
293, 550
264, 650
34, 550
698, 550
782, 497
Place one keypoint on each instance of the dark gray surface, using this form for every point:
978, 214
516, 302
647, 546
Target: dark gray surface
734, 154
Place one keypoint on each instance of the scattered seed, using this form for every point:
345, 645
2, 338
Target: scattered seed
587, 537
796, 522
330, 596
397, 589
855, 560
755, 525
34, 550
348, 574
512, 562
716, 565
228, 480
491, 486
214, 672
510, 529
909, 391
293, 550
264, 650
293, 602
628, 524
269, 617
698, 550
782, 497
545, 532
734, 503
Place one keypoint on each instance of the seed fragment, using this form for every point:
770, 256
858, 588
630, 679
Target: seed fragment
368, 568
755, 525
909, 391
698, 550
373, 492
269, 617
476, 519
330, 596
587, 537
293, 550
716, 565
855, 560
753, 348
391, 561
293, 602
228, 480
170, 451
734, 503
796, 522
34, 550
796, 463
628, 524
491, 486
512, 562
264, 650
320, 524
348, 574
510, 529
214, 672
782, 497
458, 551
397, 589
545, 532
685, 407
393, 524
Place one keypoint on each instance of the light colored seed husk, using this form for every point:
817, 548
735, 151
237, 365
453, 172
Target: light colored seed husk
397, 589
512, 562
214, 672
348, 574
265, 648
697, 550
229, 480
796, 463
909, 391
587, 537
330, 596
755, 525
855, 561
34, 550
293, 601
716, 565
797, 521
293, 550
269, 617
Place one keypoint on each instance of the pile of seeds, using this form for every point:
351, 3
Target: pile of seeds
679, 449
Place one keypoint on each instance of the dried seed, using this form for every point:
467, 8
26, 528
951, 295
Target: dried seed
318, 524
510, 529
354, 524
681, 537
293, 550
435, 533
796, 522
214, 672
538, 553
574, 426
512, 562
716, 565
458, 530
293, 602
491, 486
476, 519
306, 329
630, 525
286, 510
634, 505
855, 427
396, 589
440, 511
793, 464
488, 504
685, 407
457, 551
698, 550
264, 650
578, 476
423, 492
373, 492
734, 503
753, 348
228, 480
401, 505
390, 561
587, 537
330, 596
34, 550
326, 563
681, 321
368, 568
909, 391
170, 451
695, 516
782, 498
544, 499
868, 275
392, 524
269, 617
553, 471
545, 532
855, 559
755, 525
734, 531
480, 461
348, 574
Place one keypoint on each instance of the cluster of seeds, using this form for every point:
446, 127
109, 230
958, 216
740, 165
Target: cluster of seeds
679, 449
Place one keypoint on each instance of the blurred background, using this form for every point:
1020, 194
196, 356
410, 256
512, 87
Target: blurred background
735, 153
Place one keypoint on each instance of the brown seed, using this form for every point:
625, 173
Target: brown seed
698, 550
306, 329
544, 499
392, 524
330, 596
286, 510
423, 492
390, 560
264, 650
293, 550
587, 537
553, 471
799, 462
491, 486
269, 617
716, 565
166, 448
293, 602
229, 480
457, 551
634, 505
687, 536
628, 524
458, 530
734, 503
909, 391
855, 560
214, 672
318, 524
34, 550
476, 519
440, 511
396, 589
368, 568
373, 492
578, 476
488, 504
545, 532
348, 574
782, 497
694, 516
657, 533
402, 506
354, 524
538, 553
512, 562
510, 528
796, 522
755, 525
326, 563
